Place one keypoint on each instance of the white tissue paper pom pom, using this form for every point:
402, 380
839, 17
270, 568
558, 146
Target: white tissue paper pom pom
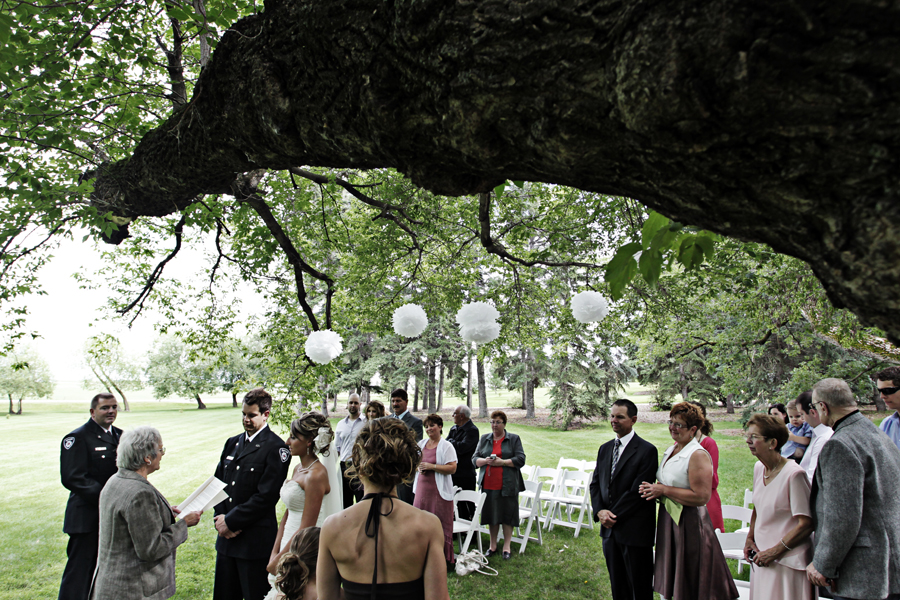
588, 307
476, 312
322, 347
410, 320
480, 333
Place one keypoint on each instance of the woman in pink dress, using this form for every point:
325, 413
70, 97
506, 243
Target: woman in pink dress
714, 506
778, 542
433, 485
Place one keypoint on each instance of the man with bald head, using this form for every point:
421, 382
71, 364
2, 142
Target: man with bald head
855, 502
345, 436
464, 438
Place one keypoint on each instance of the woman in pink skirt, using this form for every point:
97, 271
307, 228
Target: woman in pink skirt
778, 542
433, 487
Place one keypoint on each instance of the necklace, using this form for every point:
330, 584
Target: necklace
305, 469
774, 471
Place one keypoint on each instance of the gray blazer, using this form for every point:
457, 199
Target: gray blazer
511, 448
138, 537
856, 495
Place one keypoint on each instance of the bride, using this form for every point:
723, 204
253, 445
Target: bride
313, 492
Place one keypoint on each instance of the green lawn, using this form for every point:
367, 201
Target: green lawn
33, 545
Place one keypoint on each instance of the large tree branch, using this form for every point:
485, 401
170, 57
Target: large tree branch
768, 121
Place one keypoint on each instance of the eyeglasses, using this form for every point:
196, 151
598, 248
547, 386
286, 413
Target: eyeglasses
497, 422
752, 437
888, 391
676, 425
162, 451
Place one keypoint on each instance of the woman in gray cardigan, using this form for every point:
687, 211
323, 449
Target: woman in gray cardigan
500, 456
138, 532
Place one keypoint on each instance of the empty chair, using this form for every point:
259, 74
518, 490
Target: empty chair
529, 512
733, 546
738, 513
463, 526
570, 496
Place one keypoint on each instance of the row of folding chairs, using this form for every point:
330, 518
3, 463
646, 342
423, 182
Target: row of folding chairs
564, 491
465, 530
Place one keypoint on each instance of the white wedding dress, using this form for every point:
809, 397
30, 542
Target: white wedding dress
294, 497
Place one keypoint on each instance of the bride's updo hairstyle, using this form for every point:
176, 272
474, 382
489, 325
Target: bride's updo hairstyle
298, 564
385, 453
311, 425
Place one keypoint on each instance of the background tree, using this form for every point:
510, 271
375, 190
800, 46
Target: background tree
24, 374
241, 367
104, 356
173, 370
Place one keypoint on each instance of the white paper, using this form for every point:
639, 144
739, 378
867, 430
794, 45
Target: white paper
210, 493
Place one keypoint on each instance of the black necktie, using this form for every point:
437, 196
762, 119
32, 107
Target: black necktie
615, 458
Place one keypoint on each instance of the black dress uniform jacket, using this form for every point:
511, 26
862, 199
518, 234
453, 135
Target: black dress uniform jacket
87, 460
253, 474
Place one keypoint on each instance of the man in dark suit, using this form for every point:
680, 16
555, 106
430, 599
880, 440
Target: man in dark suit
399, 402
464, 438
628, 521
254, 466
87, 459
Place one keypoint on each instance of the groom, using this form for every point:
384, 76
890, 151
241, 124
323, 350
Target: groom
254, 465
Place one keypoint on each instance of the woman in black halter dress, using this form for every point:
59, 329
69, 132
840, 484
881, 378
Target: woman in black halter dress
401, 546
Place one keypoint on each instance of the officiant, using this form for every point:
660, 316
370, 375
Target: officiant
138, 530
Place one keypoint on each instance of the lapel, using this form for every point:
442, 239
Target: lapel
239, 448
624, 456
106, 437
246, 449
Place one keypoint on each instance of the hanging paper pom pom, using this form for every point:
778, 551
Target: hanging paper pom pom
476, 312
322, 347
410, 320
588, 307
478, 322
480, 333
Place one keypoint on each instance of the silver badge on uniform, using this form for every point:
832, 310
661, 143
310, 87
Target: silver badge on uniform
285, 454
68, 442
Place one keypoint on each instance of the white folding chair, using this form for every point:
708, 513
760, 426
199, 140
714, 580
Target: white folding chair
574, 464
529, 512
528, 472
733, 546
738, 513
462, 526
572, 496
548, 479
743, 588
748, 498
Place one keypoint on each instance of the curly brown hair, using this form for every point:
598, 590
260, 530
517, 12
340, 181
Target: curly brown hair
298, 564
771, 427
385, 453
308, 426
689, 413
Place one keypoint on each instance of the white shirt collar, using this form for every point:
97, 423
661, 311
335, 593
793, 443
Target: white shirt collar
401, 415
250, 438
623, 441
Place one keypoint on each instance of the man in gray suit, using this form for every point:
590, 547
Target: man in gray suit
855, 500
399, 402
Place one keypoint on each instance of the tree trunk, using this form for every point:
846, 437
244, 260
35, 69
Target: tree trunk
880, 406
365, 395
482, 389
729, 404
334, 406
530, 380
200, 405
324, 395
416, 397
690, 107
10, 404
112, 382
19, 412
429, 386
469, 378
440, 390
234, 403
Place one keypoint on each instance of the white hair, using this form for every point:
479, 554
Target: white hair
464, 411
136, 445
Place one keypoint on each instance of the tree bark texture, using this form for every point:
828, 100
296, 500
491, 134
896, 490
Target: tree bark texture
769, 121
200, 405
482, 389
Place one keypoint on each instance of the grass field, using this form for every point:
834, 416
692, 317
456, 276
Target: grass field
32, 545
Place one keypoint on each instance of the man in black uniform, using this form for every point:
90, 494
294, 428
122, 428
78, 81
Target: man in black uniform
87, 459
254, 466
464, 437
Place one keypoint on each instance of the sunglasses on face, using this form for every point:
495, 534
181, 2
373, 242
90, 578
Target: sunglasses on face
889, 391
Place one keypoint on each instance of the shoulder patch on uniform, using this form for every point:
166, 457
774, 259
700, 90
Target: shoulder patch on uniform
285, 454
69, 442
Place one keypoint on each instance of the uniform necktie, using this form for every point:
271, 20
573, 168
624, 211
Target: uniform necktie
615, 458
